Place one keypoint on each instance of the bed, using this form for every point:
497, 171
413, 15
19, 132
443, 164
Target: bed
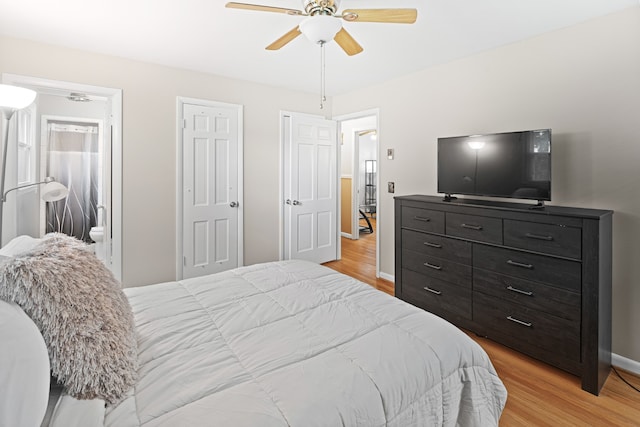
293, 343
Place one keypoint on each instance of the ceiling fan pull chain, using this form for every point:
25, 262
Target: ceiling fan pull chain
322, 75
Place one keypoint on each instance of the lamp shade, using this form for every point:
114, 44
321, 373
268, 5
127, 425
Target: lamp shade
320, 28
54, 191
15, 98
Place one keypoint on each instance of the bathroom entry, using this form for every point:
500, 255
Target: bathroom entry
72, 152
73, 157
74, 111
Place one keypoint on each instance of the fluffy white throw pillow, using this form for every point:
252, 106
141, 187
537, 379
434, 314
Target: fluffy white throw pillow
82, 313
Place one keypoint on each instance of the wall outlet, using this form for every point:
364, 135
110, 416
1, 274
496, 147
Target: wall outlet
391, 187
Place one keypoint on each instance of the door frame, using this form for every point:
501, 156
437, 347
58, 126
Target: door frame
114, 99
375, 112
284, 136
180, 102
355, 181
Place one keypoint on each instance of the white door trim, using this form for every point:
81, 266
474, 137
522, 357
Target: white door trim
180, 102
358, 115
355, 186
115, 98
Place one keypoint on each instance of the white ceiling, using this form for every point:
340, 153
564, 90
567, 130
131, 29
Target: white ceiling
203, 35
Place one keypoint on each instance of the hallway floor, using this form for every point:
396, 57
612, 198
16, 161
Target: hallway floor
359, 260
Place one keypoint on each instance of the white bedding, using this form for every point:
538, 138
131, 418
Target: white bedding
297, 344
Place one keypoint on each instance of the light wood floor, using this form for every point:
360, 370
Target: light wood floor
539, 395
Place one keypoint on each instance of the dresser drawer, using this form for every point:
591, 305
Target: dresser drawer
530, 327
438, 268
437, 296
442, 247
423, 219
557, 272
474, 227
546, 238
536, 296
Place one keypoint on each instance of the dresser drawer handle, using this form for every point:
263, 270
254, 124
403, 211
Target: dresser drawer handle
519, 264
421, 218
471, 226
435, 267
433, 245
433, 291
520, 322
520, 291
539, 237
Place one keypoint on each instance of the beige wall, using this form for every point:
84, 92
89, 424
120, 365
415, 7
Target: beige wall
582, 81
149, 146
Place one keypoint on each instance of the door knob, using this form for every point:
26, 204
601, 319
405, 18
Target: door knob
296, 203
234, 204
288, 201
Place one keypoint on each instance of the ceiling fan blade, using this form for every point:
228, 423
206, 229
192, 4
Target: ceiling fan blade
347, 43
397, 16
261, 8
284, 39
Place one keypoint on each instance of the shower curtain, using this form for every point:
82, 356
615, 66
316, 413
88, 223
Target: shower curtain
73, 160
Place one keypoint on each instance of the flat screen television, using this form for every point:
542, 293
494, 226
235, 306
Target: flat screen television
510, 165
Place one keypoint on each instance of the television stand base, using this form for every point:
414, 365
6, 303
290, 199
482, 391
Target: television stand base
539, 205
448, 198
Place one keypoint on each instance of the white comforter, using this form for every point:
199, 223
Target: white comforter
297, 344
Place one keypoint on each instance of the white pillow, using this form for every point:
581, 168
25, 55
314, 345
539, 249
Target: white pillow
71, 412
24, 369
18, 245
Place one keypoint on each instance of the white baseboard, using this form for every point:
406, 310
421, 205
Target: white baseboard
387, 276
626, 364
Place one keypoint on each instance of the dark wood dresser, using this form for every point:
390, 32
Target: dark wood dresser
536, 280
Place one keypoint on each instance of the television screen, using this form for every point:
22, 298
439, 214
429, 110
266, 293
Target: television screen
512, 164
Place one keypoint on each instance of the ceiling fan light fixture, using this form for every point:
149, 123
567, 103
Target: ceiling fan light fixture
320, 28
321, 7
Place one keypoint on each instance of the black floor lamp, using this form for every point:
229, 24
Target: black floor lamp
12, 99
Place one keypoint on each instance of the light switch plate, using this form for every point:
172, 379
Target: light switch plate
391, 187
390, 153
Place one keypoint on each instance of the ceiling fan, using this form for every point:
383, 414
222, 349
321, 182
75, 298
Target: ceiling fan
323, 22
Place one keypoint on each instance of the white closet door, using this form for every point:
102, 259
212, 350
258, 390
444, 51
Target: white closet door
311, 193
210, 190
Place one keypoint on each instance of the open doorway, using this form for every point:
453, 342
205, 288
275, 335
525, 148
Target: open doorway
76, 134
365, 150
72, 151
359, 150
